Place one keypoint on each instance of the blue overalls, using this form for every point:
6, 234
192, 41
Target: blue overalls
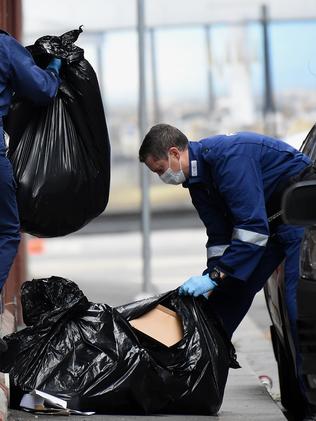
231, 180
19, 74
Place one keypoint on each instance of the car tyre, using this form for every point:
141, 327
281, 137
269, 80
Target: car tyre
291, 397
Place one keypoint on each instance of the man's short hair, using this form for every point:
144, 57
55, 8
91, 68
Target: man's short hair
159, 140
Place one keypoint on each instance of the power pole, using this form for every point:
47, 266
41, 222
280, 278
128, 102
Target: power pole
156, 107
268, 103
210, 88
144, 175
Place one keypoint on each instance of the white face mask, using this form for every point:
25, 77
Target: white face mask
173, 177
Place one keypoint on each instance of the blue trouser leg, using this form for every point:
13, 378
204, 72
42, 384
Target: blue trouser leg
9, 219
233, 298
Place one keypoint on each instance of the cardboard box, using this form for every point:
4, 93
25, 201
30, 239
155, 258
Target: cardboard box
162, 324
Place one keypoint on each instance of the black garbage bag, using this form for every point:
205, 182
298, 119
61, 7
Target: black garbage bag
60, 153
89, 355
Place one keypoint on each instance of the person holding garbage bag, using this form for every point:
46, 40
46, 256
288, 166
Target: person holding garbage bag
60, 152
18, 75
234, 180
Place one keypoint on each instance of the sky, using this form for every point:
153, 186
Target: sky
293, 54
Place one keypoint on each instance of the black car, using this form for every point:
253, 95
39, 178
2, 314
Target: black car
299, 207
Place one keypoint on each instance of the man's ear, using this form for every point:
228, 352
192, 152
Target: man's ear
174, 151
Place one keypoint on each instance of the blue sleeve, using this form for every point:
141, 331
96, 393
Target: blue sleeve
240, 183
218, 228
27, 79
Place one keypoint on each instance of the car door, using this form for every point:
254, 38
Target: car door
306, 293
283, 345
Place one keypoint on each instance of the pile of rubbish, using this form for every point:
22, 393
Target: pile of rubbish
165, 354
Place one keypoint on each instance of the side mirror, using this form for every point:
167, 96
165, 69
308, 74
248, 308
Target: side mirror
299, 204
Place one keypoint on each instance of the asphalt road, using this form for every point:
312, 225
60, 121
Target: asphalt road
108, 268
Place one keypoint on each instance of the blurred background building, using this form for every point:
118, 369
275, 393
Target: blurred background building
212, 67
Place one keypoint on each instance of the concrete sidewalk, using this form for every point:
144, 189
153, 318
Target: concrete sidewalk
246, 399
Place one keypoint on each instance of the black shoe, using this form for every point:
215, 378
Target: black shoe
3, 346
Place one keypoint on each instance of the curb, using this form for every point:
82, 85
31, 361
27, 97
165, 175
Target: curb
257, 348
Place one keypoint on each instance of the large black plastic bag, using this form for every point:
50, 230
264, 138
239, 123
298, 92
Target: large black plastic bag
89, 355
61, 152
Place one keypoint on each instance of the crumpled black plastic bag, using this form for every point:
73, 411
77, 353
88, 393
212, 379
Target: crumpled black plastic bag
89, 355
61, 152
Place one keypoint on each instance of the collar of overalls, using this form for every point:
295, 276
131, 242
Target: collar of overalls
198, 173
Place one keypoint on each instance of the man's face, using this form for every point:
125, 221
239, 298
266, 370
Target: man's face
159, 166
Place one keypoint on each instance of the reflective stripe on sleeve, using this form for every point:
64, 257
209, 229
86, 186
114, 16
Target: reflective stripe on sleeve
216, 251
250, 237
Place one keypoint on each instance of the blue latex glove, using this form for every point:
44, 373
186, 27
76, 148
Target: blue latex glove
197, 285
54, 65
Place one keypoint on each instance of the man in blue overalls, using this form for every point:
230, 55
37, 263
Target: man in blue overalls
231, 180
18, 74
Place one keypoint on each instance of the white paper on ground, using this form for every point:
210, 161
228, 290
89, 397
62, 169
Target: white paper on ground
52, 400
30, 401
36, 399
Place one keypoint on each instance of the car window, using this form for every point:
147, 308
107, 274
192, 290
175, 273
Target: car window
309, 145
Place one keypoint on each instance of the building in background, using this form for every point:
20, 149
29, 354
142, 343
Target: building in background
201, 85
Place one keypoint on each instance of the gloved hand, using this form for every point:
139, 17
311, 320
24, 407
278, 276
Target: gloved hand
197, 285
54, 65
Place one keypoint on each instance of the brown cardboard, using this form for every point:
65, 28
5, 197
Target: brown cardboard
160, 323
